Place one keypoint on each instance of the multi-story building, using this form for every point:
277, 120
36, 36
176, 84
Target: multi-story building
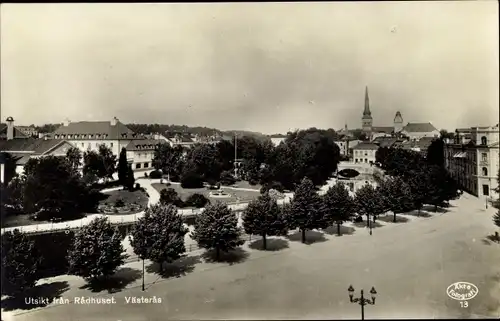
346, 144
89, 135
140, 154
473, 160
364, 152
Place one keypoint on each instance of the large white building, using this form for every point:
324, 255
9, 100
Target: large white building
473, 159
89, 135
364, 152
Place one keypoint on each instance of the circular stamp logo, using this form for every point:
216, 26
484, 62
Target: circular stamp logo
462, 291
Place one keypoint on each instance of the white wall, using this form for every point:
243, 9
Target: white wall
364, 156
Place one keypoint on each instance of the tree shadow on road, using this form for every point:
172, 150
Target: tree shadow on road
311, 237
114, 283
271, 245
363, 224
344, 230
431, 209
491, 239
415, 213
183, 266
235, 256
390, 219
47, 290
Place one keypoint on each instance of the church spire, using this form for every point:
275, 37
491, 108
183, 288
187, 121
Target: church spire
367, 103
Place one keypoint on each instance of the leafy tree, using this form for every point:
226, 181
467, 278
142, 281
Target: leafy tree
74, 156
264, 217
369, 202
217, 228
338, 205
225, 154
93, 167
168, 196
308, 153
442, 187
20, 263
109, 161
435, 153
168, 159
397, 195
190, 178
306, 211
203, 160
123, 167
13, 196
166, 246
419, 188
53, 187
227, 178
197, 200
446, 135
97, 250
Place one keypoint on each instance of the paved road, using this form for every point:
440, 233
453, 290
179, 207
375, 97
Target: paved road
410, 264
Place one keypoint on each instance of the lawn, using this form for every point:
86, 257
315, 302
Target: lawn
132, 202
184, 193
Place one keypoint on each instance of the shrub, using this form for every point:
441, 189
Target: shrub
227, 178
197, 200
155, 174
168, 196
191, 180
146, 174
168, 184
119, 203
137, 186
253, 182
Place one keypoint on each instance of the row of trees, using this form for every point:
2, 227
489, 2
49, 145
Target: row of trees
310, 153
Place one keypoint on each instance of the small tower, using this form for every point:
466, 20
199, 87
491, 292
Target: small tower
398, 122
367, 120
10, 128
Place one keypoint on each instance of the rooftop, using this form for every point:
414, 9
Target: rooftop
84, 130
419, 128
366, 146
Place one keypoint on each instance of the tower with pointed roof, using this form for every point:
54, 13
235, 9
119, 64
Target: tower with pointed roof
367, 120
398, 122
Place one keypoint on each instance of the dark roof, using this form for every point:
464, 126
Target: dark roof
34, 145
385, 141
419, 128
382, 129
143, 144
366, 146
17, 132
102, 128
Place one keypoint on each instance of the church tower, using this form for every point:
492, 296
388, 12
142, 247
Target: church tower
367, 120
398, 122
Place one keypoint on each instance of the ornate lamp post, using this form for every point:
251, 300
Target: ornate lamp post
362, 301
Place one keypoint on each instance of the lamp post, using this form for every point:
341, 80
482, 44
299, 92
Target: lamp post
362, 301
142, 274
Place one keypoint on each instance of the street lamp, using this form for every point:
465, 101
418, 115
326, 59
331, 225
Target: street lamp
362, 301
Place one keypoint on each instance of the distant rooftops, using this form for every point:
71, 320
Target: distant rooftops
366, 146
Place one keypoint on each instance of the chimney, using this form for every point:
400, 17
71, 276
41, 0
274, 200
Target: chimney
66, 122
114, 121
10, 128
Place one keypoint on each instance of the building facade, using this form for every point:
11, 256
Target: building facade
473, 160
364, 152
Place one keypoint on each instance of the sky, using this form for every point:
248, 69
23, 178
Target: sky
267, 67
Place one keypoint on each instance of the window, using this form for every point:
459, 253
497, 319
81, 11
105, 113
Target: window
484, 157
485, 171
486, 190
366, 153
366, 160
138, 165
356, 160
146, 165
484, 140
